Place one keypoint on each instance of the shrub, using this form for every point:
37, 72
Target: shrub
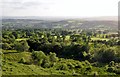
6, 46
117, 71
39, 55
95, 73
112, 63
22, 60
62, 67
18, 47
89, 68
70, 66
110, 69
79, 65
117, 55
46, 63
40, 62
21, 46
43, 60
105, 55
87, 62
53, 57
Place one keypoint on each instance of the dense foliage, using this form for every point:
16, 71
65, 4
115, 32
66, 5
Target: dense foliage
47, 47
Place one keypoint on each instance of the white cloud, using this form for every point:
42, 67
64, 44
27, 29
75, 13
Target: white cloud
60, 7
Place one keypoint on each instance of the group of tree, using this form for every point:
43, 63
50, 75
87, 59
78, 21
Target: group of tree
64, 43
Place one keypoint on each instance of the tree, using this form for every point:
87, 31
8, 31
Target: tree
39, 55
16, 35
21, 46
105, 55
25, 46
53, 57
18, 47
6, 46
45, 62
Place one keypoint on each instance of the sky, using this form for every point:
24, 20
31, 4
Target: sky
62, 8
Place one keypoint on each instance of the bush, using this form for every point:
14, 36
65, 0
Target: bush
112, 63
46, 63
18, 47
117, 71
39, 55
110, 69
117, 55
79, 65
53, 57
21, 46
105, 55
40, 62
6, 46
22, 60
87, 62
62, 67
70, 66
89, 68
95, 73
43, 60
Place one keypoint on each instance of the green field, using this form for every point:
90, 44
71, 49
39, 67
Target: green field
72, 67
21, 39
95, 38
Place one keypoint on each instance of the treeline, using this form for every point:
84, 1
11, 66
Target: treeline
64, 43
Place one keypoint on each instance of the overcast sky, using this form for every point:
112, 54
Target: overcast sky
78, 8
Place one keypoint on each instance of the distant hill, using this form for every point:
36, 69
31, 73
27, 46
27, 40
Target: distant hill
109, 23
102, 18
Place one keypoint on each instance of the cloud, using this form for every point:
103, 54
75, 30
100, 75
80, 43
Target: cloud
59, 7
23, 4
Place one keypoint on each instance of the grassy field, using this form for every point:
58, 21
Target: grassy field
95, 38
21, 39
11, 66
